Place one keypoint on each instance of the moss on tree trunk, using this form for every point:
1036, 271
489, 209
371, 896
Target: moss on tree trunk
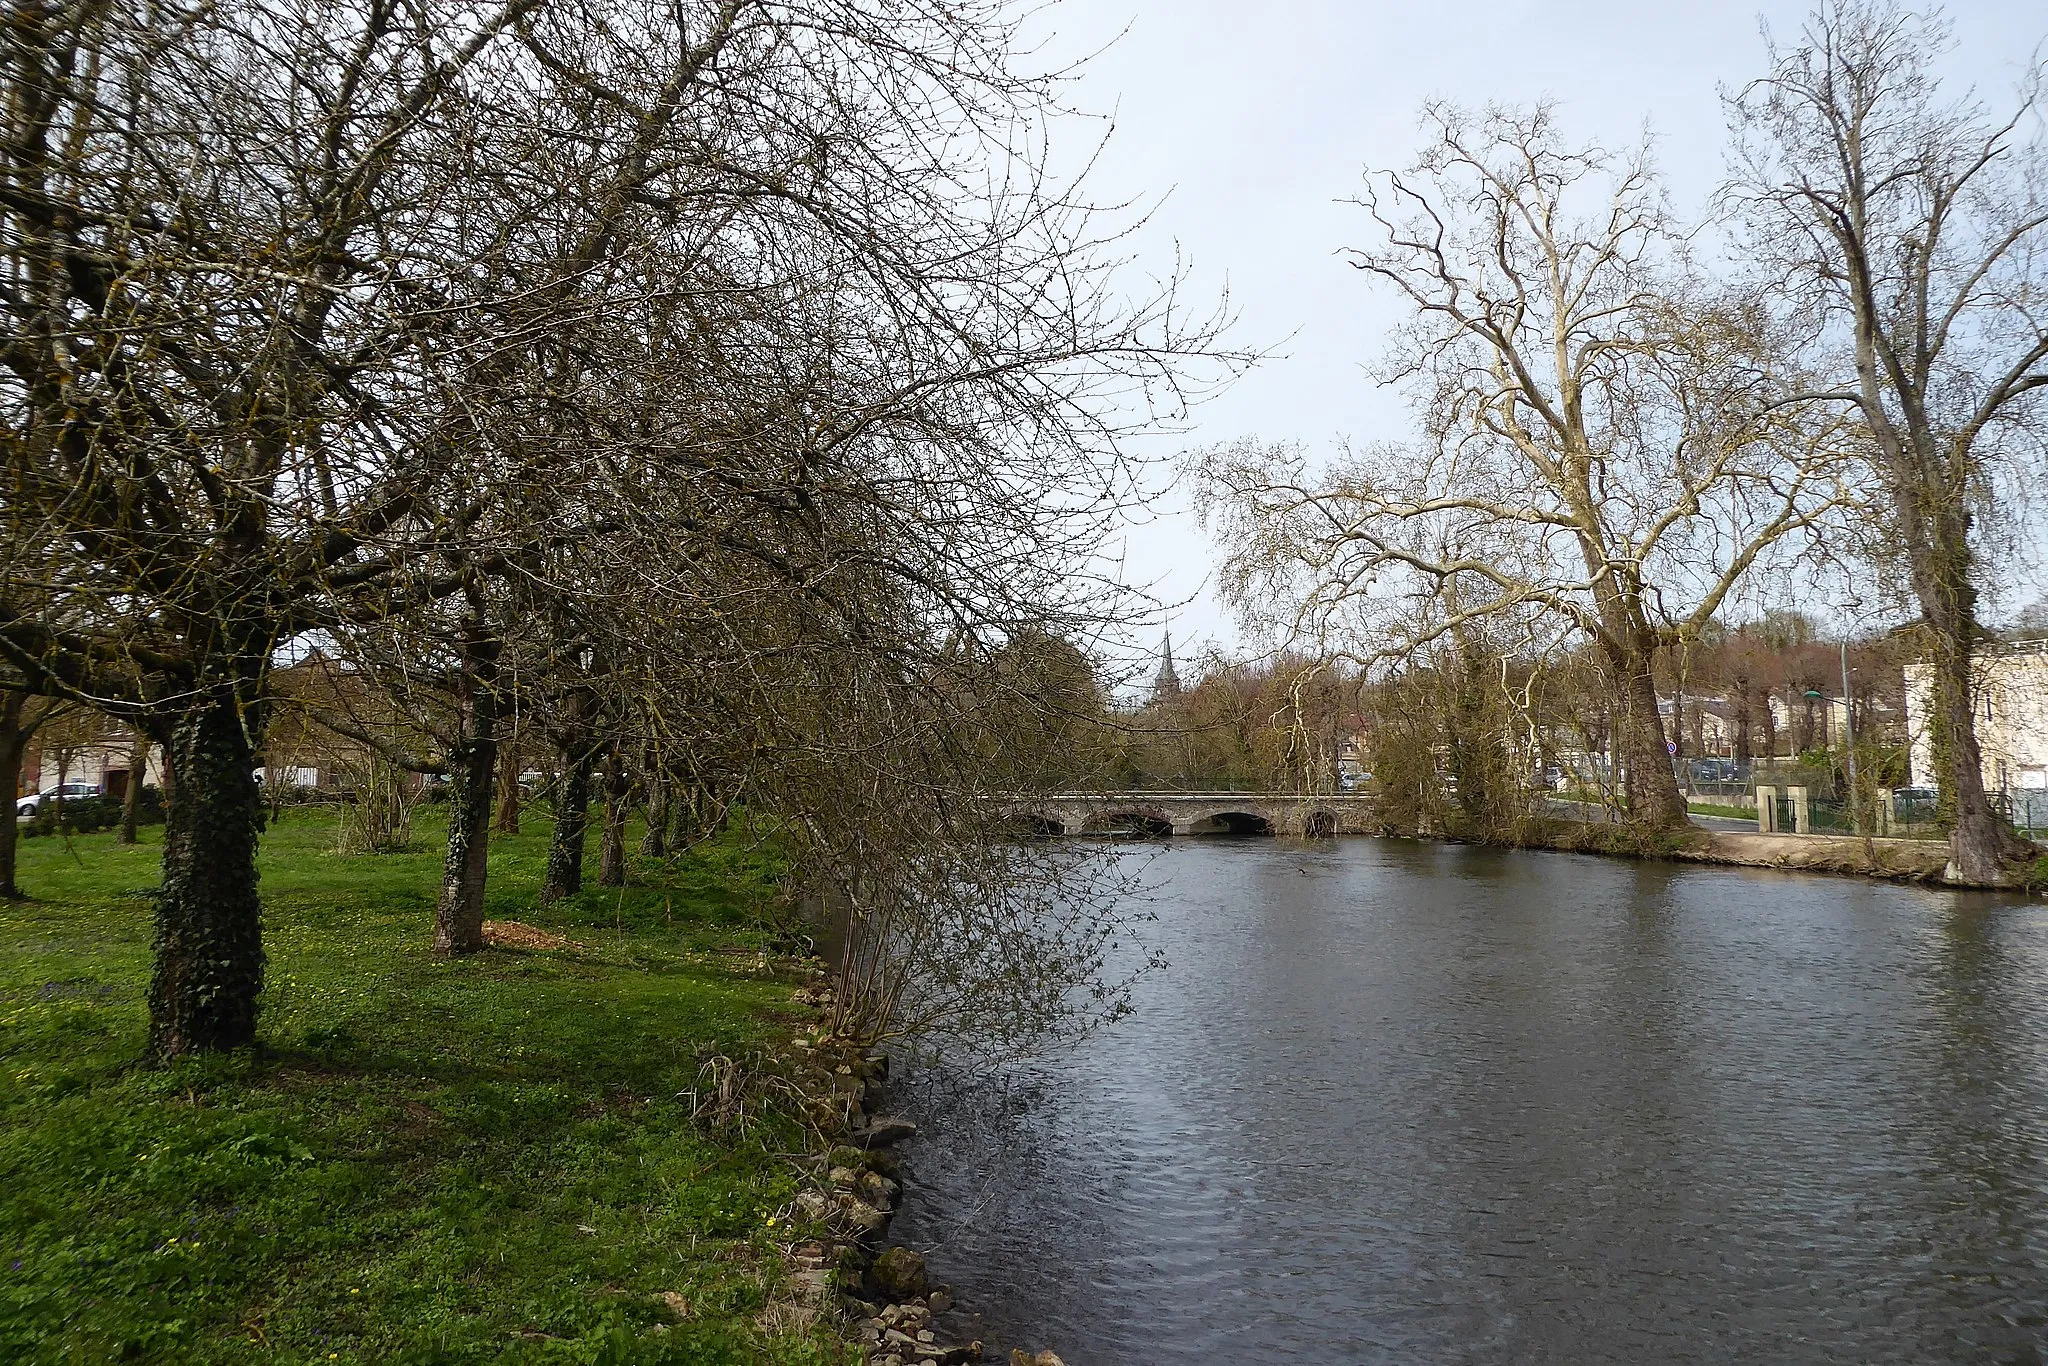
572, 821
209, 935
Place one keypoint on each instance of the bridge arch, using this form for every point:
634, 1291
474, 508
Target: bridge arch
1025, 822
1231, 823
1138, 822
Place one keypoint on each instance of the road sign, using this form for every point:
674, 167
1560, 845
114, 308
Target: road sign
1671, 748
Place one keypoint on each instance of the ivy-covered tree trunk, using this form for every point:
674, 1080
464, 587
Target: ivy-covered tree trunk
209, 933
572, 822
472, 764
1980, 842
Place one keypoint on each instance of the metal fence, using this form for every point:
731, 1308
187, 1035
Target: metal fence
1914, 816
2026, 808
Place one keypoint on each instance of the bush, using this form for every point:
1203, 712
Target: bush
88, 815
78, 816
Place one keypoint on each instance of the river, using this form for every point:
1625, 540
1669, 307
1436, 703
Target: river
1405, 1102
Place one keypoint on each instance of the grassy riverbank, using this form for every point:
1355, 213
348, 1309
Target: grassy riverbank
489, 1160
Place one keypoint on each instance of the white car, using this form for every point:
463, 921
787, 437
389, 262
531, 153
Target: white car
26, 807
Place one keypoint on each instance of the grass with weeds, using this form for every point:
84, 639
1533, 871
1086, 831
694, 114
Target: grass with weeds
483, 1160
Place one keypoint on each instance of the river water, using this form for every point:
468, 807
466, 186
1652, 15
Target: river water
1404, 1102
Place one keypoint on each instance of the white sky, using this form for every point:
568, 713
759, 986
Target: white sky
1253, 121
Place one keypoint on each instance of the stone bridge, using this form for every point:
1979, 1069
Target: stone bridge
1159, 814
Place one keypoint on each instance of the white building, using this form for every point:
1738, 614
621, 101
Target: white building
102, 761
2010, 698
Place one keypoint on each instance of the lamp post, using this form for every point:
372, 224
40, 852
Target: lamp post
1848, 732
1851, 608
1849, 737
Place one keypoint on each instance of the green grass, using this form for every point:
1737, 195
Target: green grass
1734, 813
489, 1160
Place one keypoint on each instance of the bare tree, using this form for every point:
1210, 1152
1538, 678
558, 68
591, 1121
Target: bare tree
735, 332
21, 716
1603, 451
1917, 227
139, 750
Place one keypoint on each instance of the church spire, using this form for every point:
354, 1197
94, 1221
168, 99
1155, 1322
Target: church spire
1167, 683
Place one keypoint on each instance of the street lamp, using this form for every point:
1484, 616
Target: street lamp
1848, 731
1851, 610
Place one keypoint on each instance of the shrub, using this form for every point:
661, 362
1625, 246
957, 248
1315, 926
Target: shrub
86, 815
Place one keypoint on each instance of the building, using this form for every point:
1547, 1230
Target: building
89, 749
2010, 699
1166, 685
84, 746
1711, 726
1706, 731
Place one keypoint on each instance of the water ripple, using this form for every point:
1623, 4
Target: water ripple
1443, 1104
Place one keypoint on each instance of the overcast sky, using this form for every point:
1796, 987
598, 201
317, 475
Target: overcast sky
1255, 120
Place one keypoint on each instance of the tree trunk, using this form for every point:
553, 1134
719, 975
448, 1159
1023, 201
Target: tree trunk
1652, 786
683, 802
1979, 843
654, 844
572, 819
680, 816
13, 744
472, 763
611, 862
509, 795
209, 933
138, 765
1738, 709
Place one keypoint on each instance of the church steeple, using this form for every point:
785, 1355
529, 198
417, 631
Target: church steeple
1167, 683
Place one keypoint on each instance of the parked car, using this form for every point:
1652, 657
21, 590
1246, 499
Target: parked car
26, 807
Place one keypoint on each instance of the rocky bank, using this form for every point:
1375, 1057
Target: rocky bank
884, 1294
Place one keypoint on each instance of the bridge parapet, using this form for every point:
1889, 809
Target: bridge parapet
1160, 814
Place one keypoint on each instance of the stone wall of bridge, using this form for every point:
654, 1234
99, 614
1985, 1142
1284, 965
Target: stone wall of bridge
1160, 814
